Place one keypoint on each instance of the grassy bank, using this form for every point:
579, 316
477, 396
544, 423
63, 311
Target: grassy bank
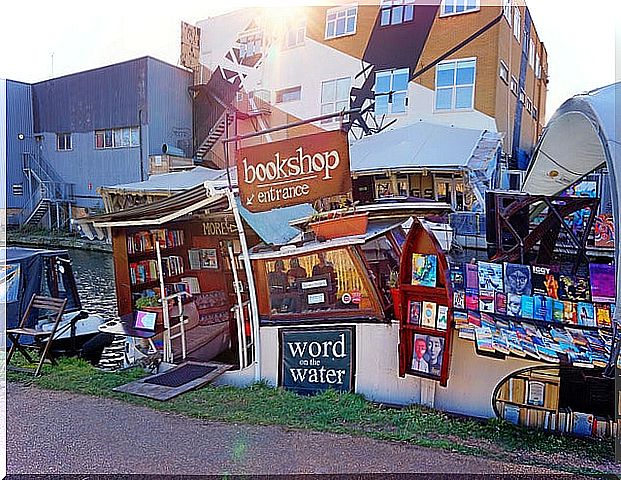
37, 237
344, 413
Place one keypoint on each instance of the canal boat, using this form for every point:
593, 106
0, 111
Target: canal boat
29, 271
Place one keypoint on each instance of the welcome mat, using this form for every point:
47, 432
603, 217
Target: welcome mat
183, 378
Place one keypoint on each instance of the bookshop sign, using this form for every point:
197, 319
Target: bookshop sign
293, 171
315, 360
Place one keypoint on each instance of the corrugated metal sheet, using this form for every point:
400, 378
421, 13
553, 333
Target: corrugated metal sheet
19, 120
106, 97
170, 107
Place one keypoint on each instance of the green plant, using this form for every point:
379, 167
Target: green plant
147, 301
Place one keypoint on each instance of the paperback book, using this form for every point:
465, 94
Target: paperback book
442, 321
428, 315
424, 268
472, 276
545, 281
486, 301
500, 303
517, 279
490, 276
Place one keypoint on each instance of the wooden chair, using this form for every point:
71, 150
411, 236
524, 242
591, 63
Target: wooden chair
42, 339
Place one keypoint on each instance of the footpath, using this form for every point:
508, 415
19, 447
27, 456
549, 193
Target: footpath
52, 432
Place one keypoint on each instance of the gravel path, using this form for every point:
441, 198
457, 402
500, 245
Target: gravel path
64, 433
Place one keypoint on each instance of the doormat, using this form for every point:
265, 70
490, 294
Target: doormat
183, 378
180, 375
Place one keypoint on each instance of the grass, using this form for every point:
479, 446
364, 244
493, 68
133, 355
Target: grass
346, 413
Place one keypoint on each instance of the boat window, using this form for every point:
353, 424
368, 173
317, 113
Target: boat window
322, 281
383, 260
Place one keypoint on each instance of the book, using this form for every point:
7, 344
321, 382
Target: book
459, 299
484, 339
461, 319
472, 299
514, 305
512, 413
472, 277
500, 303
414, 308
539, 307
424, 269
558, 309
574, 288
545, 280
467, 333
490, 276
528, 306
603, 282
536, 393
569, 312
442, 321
500, 342
582, 424
486, 301
474, 319
428, 315
458, 278
602, 315
586, 314
517, 279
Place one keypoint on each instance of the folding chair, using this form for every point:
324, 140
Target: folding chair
42, 339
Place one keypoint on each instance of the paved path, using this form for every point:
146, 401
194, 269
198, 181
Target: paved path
66, 433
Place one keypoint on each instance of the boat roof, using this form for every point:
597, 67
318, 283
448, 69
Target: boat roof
22, 253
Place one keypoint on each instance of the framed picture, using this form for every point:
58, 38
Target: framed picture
203, 258
427, 355
414, 312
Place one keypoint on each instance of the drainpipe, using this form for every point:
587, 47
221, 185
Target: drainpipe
140, 141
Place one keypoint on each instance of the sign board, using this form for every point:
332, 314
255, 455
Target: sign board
293, 171
313, 360
190, 45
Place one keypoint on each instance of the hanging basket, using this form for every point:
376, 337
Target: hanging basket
341, 226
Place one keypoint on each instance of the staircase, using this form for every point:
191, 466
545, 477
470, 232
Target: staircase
214, 134
38, 213
480, 162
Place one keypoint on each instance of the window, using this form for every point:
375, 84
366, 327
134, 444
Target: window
117, 138
522, 95
341, 21
451, 7
391, 89
455, 84
250, 45
382, 257
514, 85
529, 105
525, 40
537, 66
535, 113
295, 34
334, 97
396, 11
531, 54
63, 141
506, 10
517, 23
18, 189
289, 94
503, 71
316, 284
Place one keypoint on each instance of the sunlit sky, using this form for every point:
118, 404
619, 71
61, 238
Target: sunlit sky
44, 39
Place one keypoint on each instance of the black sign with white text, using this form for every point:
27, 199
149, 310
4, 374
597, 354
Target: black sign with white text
315, 360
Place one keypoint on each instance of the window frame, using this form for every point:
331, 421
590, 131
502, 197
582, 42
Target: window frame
515, 82
123, 133
255, 35
286, 91
298, 27
453, 88
390, 93
336, 11
503, 66
517, 23
64, 136
336, 99
390, 6
506, 10
443, 12
529, 105
531, 53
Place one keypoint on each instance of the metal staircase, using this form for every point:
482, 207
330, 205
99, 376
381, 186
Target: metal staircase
214, 134
480, 162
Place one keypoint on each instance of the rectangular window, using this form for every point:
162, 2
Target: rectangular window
391, 90
514, 85
394, 12
452, 7
506, 10
529, 105
63, 141
335, 97
522, 95
455, 85
517, 23
117, 137
341, 21
503, 71
250, 45
295, 34
525, 40
535, 113
537, 66
531, 54
18, 189
289, 94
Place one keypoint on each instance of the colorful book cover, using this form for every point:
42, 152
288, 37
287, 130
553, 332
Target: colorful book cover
602, 315
414, 317
539, 307
517, 279
514, 305
574, 288
459, 299
586, 314
490, 276
461, 319
472, 299
458, 277
474, 319
528, 307
545, 281
486, 301
582, 424
484, 339
428, 315
467, 333
472, 276
424, 269
547, 354
442, 321
487, 321
569, 312
603, 282
500, 303
512, 414
549, 309
500, 342
558, 310
513, 343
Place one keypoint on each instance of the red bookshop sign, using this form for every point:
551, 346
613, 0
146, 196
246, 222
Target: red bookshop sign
293, 171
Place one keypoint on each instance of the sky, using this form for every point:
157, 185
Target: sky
44, 39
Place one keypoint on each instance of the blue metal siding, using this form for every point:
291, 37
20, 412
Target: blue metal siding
85, 165
106, 97
170, 107
19, 120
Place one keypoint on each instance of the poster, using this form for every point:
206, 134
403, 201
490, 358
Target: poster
314, 360
427, 354
604, 231
603, 282
9, 282
424, 268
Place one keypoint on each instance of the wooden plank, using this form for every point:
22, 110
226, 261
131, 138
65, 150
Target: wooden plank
162, 392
